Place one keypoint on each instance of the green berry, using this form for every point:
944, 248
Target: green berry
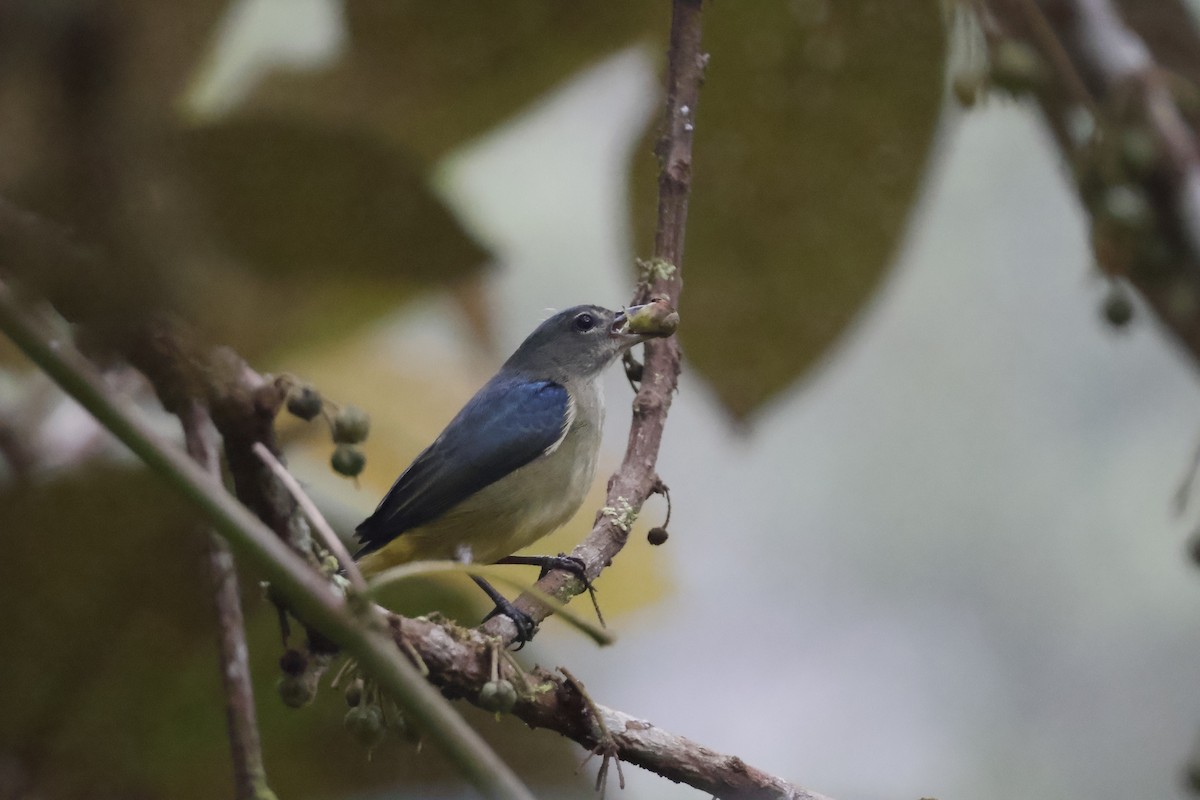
347, 460
293, 662
1139, 151
498, 696
1118, 308
304, 402
351, 425
655, 318
294, 691
1017, 67
1126, 206
365, 724
967, 84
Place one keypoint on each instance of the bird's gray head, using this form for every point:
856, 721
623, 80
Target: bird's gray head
576, 343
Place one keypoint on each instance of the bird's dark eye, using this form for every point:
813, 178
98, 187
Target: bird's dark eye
585, 322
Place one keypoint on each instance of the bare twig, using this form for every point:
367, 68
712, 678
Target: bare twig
249, 773
315, 517
636, 478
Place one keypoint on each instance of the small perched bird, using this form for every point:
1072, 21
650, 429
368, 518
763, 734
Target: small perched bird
514, 464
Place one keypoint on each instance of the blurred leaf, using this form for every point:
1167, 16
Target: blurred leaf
91, 626
811, 138
298, 201
163, 42
432, 75
337, 227
423, 569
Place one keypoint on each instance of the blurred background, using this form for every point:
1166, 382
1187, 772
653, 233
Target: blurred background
927, 536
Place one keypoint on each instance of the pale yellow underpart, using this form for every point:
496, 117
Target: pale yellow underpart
495, 522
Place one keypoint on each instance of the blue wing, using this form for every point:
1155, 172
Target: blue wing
507, 424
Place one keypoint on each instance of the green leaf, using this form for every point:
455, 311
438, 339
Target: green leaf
335, 227
301, 200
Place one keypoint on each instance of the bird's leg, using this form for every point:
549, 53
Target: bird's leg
526, 627
570, 564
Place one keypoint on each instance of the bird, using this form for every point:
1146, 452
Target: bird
513, 465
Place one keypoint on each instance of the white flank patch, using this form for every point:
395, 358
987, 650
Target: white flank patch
568, 421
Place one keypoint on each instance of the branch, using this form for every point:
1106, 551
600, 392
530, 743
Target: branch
459, 663
1097, 63
306, 592
636, 479
458, 660
249, 774
315, 518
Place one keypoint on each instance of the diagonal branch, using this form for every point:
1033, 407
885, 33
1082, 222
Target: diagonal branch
249, 774
459, 663
1096, 62
636, 479
305, 591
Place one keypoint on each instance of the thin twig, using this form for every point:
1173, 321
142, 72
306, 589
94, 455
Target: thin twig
634, 481
1050, 45
249, 773
606, 745
315, 517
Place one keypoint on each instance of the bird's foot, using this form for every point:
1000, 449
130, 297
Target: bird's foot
525, 624
567, 563
562, 561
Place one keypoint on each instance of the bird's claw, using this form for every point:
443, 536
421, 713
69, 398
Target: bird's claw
525, 624
571, 564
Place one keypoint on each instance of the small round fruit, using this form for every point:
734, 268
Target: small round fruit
1118, 308
347, 460
498, 696
294, 691
655, 318
1017, 67
365, 724
304, 402
351, 425
293, 662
